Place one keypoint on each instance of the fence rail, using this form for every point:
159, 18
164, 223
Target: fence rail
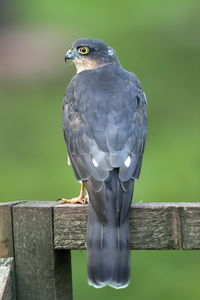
40, 235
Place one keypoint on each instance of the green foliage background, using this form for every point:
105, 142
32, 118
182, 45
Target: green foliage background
158, 41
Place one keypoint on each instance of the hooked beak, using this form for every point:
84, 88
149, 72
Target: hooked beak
70, 55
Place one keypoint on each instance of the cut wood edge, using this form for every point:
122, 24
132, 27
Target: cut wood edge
6, 279
6, 233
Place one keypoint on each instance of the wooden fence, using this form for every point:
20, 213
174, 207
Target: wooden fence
36, 239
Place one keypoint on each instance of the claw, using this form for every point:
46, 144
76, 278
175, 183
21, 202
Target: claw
82, 199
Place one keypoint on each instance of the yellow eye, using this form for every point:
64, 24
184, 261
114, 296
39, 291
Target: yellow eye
83, 50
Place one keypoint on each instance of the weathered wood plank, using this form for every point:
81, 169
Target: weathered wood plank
7, 282
6, 238
152, 226
41, 272
190, 227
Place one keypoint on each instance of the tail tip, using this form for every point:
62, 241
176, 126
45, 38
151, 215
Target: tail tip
118, 286
111, 284
96, 285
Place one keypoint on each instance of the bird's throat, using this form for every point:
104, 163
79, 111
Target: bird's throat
84, 64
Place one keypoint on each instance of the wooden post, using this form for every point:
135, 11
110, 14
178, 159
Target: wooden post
6, 237
7, 275
7, 281
41, 272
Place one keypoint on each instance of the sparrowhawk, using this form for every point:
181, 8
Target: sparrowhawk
105, 122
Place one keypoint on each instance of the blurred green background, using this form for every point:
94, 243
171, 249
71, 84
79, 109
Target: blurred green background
158, 41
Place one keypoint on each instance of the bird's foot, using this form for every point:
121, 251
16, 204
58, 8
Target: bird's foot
81, 199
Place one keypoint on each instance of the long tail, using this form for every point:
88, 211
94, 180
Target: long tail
108, 241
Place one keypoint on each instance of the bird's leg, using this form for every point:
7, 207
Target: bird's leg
80, 199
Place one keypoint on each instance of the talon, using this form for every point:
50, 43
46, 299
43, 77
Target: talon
73, 200
85, 200
82, 199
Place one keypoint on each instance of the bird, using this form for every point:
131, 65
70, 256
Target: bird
104, 119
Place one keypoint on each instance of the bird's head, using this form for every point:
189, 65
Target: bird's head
90, 54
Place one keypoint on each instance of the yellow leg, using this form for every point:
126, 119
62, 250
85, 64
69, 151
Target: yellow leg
80, 199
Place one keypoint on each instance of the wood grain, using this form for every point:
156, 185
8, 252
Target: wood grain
159, 226
41, 272
6, 238
7, 281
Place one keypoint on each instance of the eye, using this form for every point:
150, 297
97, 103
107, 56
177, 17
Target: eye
83, 50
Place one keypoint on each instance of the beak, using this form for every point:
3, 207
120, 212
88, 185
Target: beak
70, 55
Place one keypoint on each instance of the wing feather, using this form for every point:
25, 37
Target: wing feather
105, 124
